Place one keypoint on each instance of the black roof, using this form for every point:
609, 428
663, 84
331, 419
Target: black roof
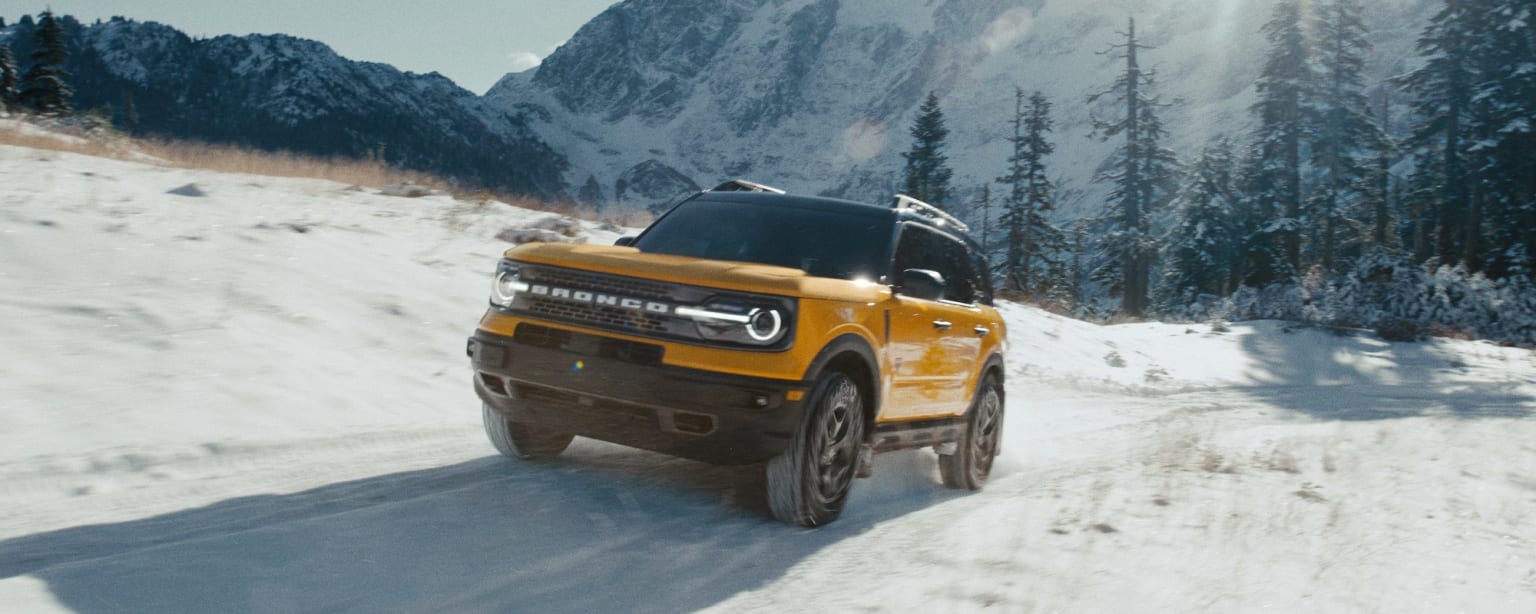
836, 204
795, 200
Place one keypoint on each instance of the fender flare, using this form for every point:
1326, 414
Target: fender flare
994, 362
850, 343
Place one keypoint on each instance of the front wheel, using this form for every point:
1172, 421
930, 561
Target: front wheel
809, 481
520, 439
971, 463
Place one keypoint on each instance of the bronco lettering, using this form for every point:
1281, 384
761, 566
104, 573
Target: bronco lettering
606, 300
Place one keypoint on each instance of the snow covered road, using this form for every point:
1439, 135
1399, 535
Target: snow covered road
205, 408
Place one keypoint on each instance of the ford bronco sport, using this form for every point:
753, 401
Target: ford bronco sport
747, 326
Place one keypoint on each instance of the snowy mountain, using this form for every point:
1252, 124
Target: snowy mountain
657, 97
277, 92
257, 400
818, 95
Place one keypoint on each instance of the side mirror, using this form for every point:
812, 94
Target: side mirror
624, 241
922, 283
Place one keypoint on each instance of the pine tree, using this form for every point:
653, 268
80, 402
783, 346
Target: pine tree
1204, 245
1505, 99
130, 116
1141, 173
1342, 132
1283, 88
927, 171
1076, 273
43, 87
983, 207
1031, 237
1262, 261
8, 79
1376, 207
1443, 90
1160, 167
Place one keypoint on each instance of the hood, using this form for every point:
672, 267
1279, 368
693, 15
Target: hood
723, 274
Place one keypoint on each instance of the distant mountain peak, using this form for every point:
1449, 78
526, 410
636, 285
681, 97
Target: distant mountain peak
818, 95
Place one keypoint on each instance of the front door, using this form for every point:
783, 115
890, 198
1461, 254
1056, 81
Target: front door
935, 345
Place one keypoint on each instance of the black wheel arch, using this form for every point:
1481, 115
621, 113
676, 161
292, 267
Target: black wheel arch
993, 369
853, 356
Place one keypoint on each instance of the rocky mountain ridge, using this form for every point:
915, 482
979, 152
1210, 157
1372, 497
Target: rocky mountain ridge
277, 92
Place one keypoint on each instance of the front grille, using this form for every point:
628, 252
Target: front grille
609, 317
606, 284
602, 316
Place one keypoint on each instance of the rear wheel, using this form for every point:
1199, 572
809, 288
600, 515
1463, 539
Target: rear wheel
809, 481
971, 463
522, 439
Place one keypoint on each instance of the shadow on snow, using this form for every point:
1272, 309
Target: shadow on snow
602, 529
1352, 375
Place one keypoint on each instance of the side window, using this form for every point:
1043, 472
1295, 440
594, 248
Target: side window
983, 277
921, 248
917, 249
962, 287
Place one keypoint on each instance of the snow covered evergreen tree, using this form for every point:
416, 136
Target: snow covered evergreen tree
1505, 101
1517, 304
1342, 132
927, 171
1443, 92
1141, 173
1202, 248
1376, 208
44, 88
1284, 86
1031, 239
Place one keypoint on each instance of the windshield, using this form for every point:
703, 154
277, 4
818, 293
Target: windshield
821, 242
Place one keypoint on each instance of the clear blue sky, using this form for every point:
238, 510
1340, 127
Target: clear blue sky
473, 42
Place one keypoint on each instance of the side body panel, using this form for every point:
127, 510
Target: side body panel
937, 351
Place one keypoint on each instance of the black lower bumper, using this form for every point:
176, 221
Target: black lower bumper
622, 393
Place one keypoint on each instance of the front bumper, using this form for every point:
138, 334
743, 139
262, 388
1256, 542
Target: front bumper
621, 392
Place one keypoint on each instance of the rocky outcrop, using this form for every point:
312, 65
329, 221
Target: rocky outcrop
651, 185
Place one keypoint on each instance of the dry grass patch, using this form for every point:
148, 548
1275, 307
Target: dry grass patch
92, 137
22, 133
233, 159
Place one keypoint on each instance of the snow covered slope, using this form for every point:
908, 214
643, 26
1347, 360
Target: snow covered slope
818, 95
257, 400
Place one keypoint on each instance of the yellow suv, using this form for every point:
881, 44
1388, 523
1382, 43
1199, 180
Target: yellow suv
748, 326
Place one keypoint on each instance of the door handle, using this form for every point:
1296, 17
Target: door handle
942, 324
981, 331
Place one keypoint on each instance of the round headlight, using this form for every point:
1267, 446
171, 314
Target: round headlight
504, 288
764, 324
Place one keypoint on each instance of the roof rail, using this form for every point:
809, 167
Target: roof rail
904, 202
742, 185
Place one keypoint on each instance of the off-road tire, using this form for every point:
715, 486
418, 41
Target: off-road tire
809, 481
522, 439
971, 463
